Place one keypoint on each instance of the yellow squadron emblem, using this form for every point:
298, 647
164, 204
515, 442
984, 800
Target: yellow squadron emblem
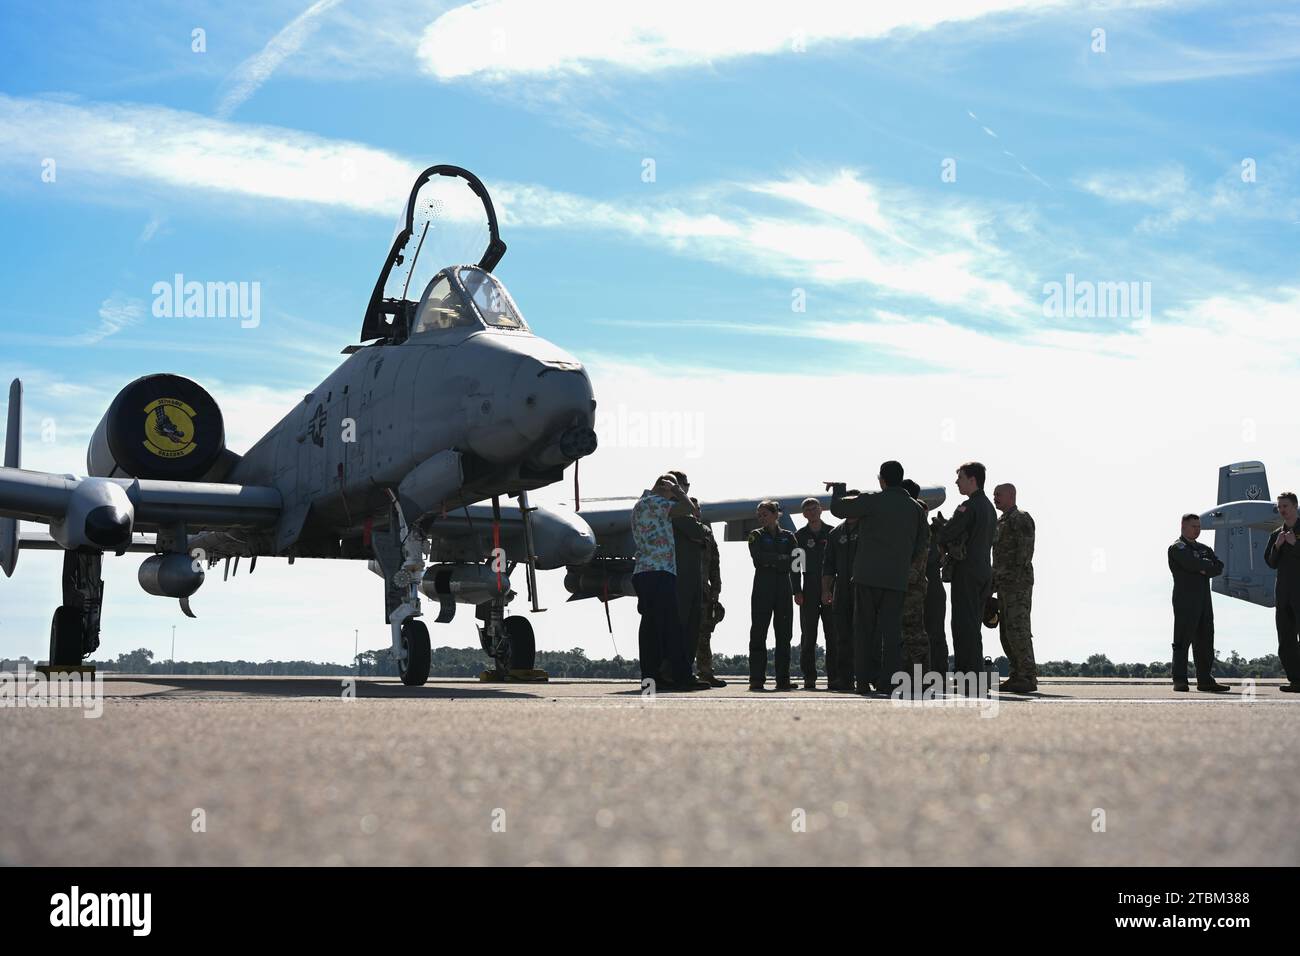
169, 428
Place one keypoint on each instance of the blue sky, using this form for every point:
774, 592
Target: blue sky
795, 147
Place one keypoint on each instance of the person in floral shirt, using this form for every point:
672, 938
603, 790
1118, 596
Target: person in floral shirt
655, 580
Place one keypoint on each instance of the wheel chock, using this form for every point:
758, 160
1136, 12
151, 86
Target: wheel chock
532, 676
51, 669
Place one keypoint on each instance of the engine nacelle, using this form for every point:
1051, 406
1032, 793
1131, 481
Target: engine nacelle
170, 575
464, 583
99, 516
160, 426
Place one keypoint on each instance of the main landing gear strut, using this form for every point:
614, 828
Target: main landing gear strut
74, 631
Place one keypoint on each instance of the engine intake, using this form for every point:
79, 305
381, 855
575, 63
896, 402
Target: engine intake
160, 426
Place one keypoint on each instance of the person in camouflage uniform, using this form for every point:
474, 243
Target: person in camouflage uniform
712, 611
936, 600
1013, 581
916, 640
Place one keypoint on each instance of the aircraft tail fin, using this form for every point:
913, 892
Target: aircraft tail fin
1241, 524
13, 459
1244, 481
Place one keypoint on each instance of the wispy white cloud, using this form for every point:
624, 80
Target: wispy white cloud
257, 69
115, 314
154, 144
499, 39
1249, 45
832, 228
151, 228
1175, 198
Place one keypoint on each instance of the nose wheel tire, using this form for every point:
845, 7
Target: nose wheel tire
414, 666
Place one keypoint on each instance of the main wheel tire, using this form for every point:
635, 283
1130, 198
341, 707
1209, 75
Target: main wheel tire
523, 648
65, 636
414, 666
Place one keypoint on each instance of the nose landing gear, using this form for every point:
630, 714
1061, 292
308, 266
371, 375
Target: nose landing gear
509, 642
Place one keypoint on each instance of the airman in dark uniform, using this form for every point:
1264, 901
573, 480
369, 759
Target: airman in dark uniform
813, 538
772, 548
837, 591
1192, 565
890, 539
971, 526
1283, 555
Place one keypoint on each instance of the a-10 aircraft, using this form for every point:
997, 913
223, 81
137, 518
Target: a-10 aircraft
449, 400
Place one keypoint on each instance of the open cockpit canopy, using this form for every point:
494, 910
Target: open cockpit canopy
448, 219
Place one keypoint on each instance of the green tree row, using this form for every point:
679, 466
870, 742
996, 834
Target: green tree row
469, 662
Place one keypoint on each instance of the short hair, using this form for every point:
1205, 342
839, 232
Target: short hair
809, 501
1191, 517
668, 477
891, 473
912, 487
1288, 495
973, 469
771, 504
680, 477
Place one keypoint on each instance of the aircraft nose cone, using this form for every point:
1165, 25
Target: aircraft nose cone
108, 527
550, 397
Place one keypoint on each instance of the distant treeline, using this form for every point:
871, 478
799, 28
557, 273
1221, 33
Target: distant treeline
470, 661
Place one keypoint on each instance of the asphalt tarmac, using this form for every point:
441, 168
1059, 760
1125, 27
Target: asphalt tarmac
271, 771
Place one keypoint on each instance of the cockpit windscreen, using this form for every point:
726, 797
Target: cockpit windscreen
491, 299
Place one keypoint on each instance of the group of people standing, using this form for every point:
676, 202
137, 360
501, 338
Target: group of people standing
874, 584
1193, 564
880, 574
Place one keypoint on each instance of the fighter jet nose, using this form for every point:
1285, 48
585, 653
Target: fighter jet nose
108, 527
551, 396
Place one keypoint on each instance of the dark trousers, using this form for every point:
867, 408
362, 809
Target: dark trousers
660, 636
1194, 628
969, 593
770, 603
936, 607
690, 607
839, 667
810, 612
1287, 617
878, 637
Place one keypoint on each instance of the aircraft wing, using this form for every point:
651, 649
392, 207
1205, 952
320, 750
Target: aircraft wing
103, 512
44, 497
28, 541
611, 518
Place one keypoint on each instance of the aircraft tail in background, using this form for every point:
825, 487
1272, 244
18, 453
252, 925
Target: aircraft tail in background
1242, 522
